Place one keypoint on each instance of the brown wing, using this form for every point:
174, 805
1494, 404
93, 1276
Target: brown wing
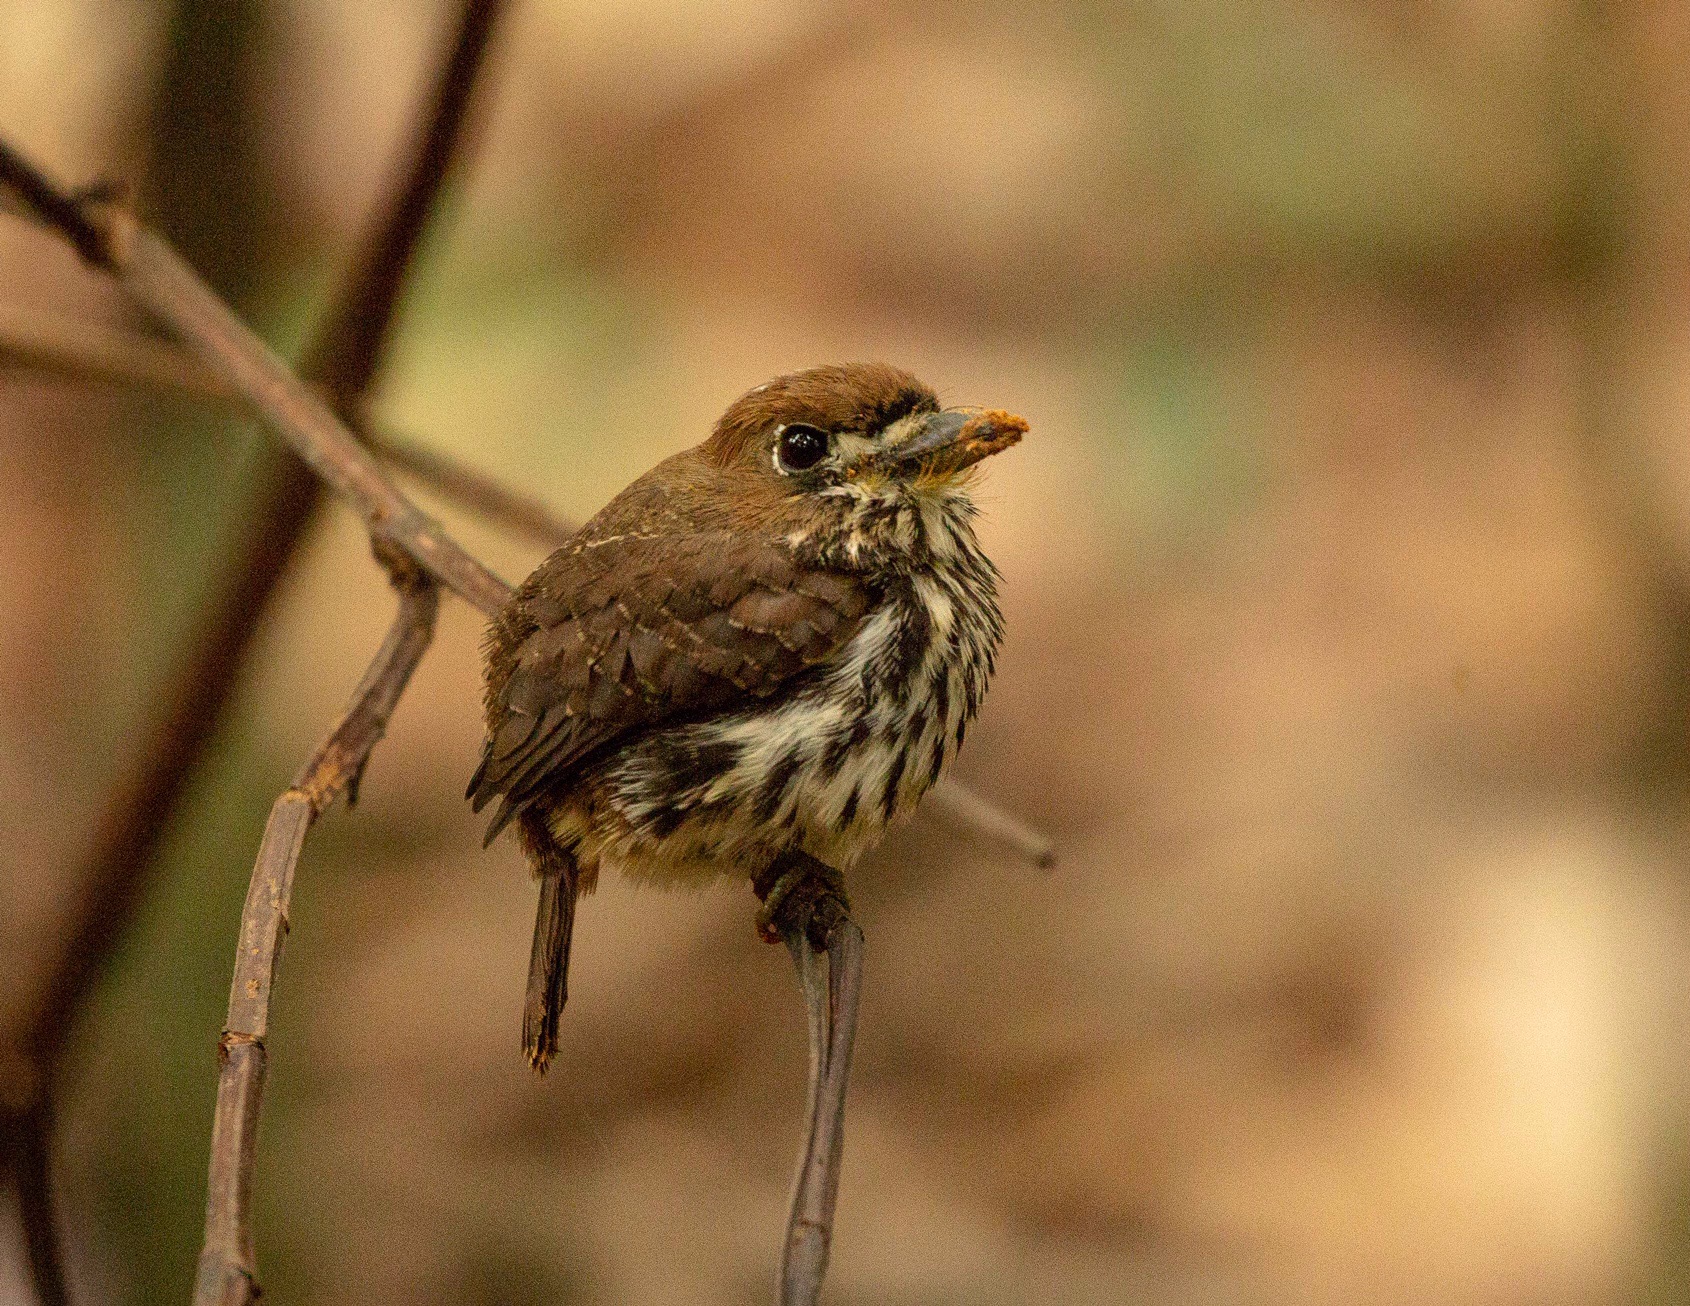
614, 635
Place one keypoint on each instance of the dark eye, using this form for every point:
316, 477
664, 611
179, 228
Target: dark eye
801, 447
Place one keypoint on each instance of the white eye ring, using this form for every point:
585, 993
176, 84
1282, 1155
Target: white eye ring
799, 446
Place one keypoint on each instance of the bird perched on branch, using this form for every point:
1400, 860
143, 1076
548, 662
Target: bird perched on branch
751, 661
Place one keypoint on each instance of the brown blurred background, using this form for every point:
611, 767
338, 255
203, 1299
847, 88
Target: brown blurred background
1347, 572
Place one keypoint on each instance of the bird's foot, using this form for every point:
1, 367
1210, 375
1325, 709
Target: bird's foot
801, 895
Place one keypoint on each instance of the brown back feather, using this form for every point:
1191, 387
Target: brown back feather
681, 596
643, 618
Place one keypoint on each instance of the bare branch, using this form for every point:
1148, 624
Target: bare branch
959, 803
76, 350
160, 281
227, 1269
831, 1004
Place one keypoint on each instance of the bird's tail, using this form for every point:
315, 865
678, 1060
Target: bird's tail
554, 923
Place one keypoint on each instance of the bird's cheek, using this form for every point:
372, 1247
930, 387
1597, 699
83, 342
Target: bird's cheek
867, 482
936, 484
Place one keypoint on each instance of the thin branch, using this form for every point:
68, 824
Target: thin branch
111, 883
34, 1165
158, 279
831, 1005
972, 811
227, 1269
78, 350
463, 485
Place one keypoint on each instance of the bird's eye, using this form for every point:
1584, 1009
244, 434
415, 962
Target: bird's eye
801, 447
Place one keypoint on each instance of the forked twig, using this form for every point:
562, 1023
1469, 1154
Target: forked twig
227, 1271
343, 361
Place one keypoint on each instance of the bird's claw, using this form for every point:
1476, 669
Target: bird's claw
801, 895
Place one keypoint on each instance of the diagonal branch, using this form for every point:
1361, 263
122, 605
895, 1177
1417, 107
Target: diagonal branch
158, 279
227, 1268
349, 350
45, 344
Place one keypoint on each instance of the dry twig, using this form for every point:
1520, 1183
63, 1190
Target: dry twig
227, 1269
349, 348
830, 1003
48, 345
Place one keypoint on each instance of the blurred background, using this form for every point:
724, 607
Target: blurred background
1347, 574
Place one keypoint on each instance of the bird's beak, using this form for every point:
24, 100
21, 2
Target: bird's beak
946, 442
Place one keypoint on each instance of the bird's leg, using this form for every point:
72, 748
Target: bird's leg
801, 895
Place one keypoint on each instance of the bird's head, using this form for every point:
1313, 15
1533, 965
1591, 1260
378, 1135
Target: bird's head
861, 433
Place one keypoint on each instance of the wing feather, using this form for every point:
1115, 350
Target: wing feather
615, 636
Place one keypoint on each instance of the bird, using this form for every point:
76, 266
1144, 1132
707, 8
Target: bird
753, 660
